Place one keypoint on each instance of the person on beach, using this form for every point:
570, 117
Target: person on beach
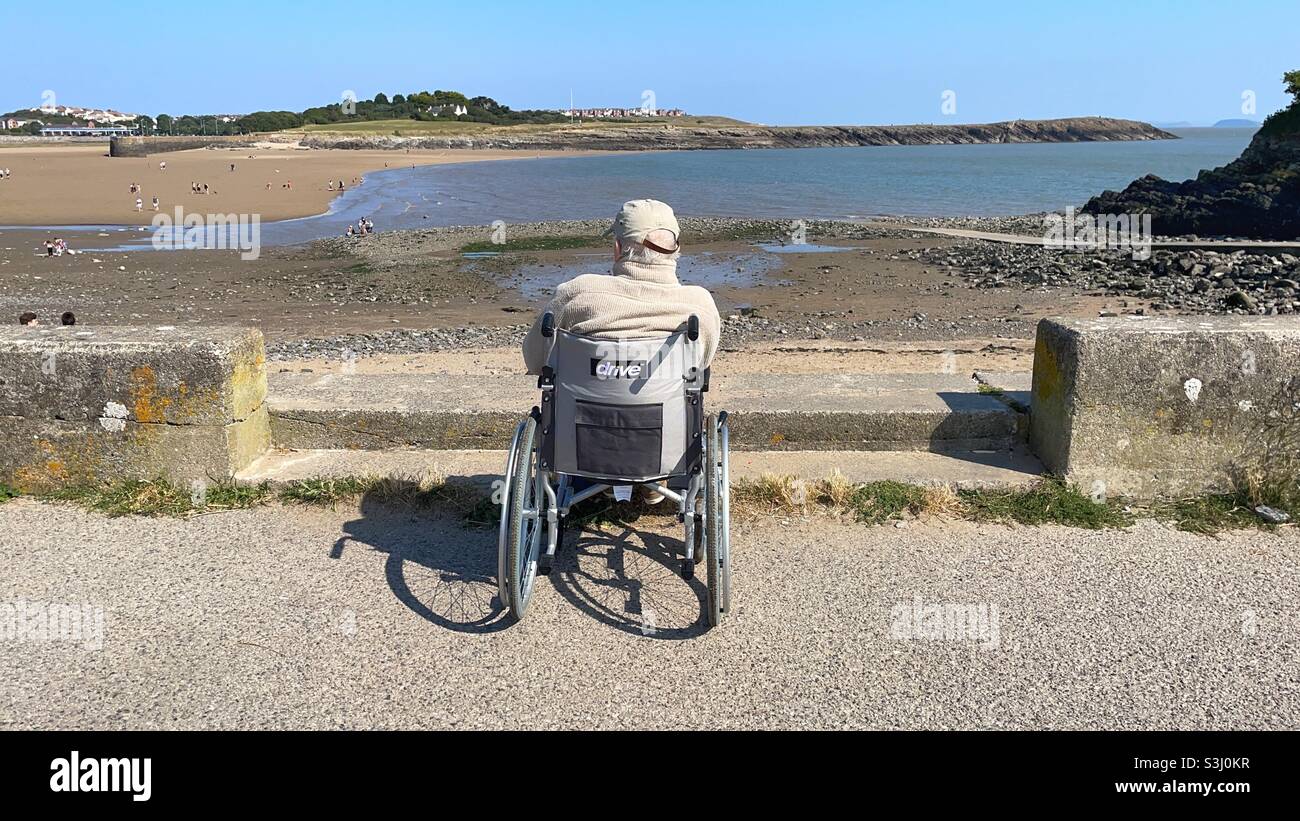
641, 297
49, 248
139, 204
162, 166
155, 203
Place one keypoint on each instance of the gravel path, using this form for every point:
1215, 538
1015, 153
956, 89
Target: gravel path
320, 619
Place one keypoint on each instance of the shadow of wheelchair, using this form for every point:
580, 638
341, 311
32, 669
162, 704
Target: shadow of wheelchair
439, 569
446, 573
628, 579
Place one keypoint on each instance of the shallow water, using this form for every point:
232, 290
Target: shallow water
801, 248
808, 183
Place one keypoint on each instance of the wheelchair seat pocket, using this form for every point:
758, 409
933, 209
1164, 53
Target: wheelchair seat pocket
619, 440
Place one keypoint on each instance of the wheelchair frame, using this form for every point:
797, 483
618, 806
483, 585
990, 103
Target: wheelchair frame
536, 501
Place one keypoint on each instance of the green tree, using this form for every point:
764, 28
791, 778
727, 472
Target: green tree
165, 123
269, 121
1286, 121
1292, 80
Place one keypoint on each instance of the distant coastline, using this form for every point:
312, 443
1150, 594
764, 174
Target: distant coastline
672, 137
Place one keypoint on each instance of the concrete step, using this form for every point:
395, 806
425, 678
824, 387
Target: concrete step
889, 412
969, 469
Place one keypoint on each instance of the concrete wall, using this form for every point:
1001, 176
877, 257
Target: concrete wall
143, 146
83, 404
1151, 407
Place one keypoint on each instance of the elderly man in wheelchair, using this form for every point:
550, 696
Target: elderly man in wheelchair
622, 362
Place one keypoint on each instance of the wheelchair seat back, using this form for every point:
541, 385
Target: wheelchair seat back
622, 409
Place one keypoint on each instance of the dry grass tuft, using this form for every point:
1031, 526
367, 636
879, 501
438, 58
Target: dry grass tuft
942, 500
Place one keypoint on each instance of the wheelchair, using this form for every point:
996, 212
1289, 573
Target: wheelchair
616, 414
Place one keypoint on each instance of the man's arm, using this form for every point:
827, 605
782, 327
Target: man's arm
710, 322
710, 334
534, 343
534, 350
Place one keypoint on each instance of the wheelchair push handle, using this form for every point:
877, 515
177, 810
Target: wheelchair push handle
693, 328
548, 324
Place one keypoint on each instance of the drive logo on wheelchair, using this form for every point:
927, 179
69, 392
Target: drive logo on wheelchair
615, 369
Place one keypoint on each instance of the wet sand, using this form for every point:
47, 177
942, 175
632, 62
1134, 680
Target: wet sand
79, 184
392, 282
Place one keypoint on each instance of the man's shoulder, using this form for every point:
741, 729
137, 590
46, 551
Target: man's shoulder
698, 294
585, 282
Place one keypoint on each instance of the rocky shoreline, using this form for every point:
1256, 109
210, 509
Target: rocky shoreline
1187, 282
673, 137
1257, 195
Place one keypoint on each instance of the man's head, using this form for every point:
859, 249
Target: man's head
27, 318
68, 318
645, 225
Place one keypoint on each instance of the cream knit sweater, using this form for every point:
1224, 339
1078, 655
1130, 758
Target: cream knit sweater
638, 299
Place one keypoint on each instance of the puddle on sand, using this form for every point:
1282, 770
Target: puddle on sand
705, 269
806, 248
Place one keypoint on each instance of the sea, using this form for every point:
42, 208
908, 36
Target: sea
804, 183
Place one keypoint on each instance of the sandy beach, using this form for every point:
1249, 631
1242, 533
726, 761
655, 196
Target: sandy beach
79, 184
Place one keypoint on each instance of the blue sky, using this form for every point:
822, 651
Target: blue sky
809, 62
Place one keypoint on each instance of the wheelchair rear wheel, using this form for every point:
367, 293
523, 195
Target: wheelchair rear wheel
717, 553
524, 521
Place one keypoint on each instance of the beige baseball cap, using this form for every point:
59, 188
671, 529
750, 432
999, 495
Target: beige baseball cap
638, 218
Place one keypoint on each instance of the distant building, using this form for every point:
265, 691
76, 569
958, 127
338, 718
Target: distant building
99, 115
454, 110
87, 131
14, 122
621, 113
